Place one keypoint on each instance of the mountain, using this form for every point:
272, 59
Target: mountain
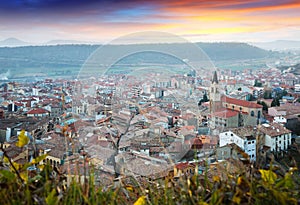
280, 45
13, 42
295, 69
233, 51
61, 59
66, 42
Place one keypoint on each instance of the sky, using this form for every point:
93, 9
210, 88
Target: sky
39, 21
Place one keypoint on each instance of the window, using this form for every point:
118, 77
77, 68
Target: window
241, 108
233, 107
252, 113
258, 114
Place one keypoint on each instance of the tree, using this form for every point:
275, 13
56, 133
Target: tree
275, 102
257, 83
204, 99
281, 94
265, 106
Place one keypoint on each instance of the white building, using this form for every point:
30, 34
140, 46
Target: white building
243, 137
297, 88
276, 136
35, 91
280, 119
38, 112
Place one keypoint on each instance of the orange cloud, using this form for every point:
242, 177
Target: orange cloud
233, 16
188, 17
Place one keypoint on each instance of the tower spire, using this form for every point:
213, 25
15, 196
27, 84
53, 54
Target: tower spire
215, 78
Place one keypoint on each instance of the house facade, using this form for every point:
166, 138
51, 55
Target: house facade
38, 112
243, 137
276, 136
224, 118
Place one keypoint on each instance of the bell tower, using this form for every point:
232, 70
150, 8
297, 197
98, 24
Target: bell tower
214, 94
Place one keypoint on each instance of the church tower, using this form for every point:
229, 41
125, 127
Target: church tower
214, 94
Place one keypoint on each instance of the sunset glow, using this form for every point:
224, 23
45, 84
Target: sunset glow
102, 21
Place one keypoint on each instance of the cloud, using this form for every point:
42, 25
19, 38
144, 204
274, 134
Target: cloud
79, 19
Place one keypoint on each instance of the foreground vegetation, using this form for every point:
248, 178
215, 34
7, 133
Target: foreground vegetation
45, 185
44, 188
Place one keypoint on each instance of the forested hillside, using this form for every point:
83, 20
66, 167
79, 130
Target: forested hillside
73, 56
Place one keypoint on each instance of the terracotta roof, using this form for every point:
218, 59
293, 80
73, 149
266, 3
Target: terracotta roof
38, 111
243, 103
196, 141
226, 113
245, 132
182, 165
156, 149
187, 127
274, 129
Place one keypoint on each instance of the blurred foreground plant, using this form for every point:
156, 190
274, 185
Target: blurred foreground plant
40, 186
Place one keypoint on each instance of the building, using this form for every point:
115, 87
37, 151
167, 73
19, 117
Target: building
12, 126
276, 136
257, 92
184, 169
297, 88
230, 112
2, 114
231, 151
38, 112
243, 137
287, 115
225, 118
286, 110
215, 94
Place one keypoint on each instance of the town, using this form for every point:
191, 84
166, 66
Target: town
154, 127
